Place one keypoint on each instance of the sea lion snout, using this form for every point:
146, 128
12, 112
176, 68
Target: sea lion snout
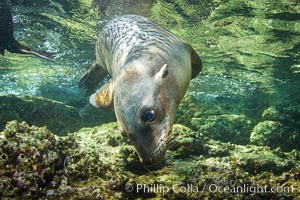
152, 152
151, 141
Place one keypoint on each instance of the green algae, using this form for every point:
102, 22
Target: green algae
31, 157
36, 110
80, 35
266, 133
230, 128
57, 116
178, 171
274, 134
71, 19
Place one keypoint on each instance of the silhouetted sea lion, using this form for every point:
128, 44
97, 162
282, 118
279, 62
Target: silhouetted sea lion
7, 39
150, 70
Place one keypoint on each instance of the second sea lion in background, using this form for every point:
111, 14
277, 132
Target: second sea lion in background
7, 39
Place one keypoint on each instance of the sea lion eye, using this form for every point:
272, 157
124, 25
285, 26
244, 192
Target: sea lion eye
149, 116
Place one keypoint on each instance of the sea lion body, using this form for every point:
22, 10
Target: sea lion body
150, 70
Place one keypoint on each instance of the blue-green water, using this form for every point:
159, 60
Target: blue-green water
249, 49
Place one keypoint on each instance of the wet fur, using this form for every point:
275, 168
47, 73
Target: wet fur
150, 68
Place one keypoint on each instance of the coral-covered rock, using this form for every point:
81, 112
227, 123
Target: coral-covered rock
28, 159
57, 116
107, 163
233, 128
98, 163
274, 134
268, 133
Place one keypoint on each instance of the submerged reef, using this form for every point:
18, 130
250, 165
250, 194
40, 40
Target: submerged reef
28, 159
57, 116
98, 163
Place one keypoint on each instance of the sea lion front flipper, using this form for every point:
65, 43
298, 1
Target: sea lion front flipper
196, 63
103, 97
91, 78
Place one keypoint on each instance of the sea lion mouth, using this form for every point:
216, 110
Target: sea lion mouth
159, 150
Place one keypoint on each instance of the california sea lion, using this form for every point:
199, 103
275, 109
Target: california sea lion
150, 70
7, 39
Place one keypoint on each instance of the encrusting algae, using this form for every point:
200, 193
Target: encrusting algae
98, 163
29, 157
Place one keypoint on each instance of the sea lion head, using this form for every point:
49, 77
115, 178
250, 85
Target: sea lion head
145, 104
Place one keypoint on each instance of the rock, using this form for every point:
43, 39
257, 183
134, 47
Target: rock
274, 134
271, 113
233, 128
267, 133
28, 159
98, 163
58, 117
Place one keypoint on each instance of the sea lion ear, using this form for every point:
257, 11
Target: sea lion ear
196, 63
163, 72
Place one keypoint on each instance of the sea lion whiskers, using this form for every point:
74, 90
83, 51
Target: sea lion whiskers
164, 144
172, 143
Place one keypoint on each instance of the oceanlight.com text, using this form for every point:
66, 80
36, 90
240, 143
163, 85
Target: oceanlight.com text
212, 188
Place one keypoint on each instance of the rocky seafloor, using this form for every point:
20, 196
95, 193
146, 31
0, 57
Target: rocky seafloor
98, 163
237, 130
